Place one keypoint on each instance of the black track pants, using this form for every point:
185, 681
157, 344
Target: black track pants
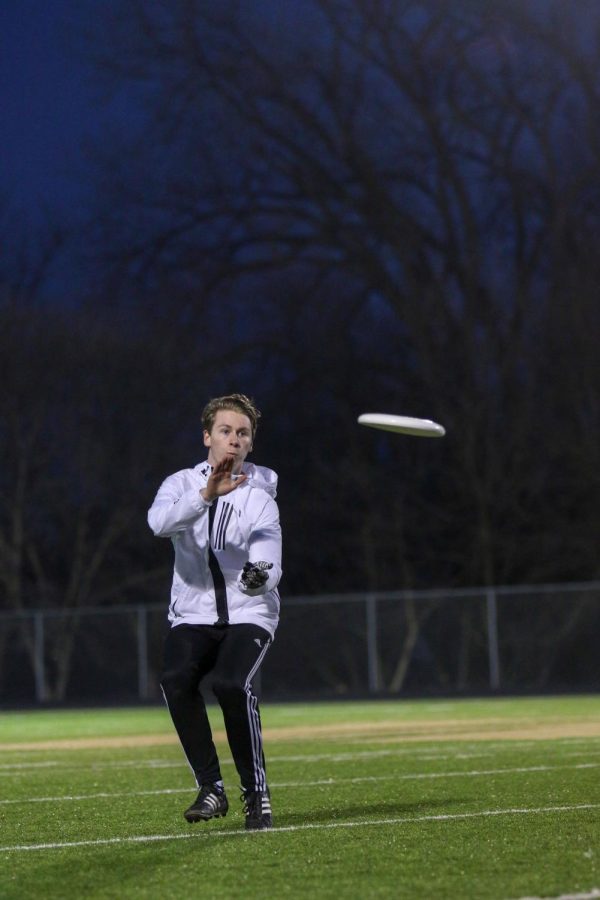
232, 655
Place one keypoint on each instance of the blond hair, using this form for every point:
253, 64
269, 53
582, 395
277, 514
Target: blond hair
238, 403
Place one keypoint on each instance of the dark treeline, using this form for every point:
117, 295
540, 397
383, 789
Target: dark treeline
336, 207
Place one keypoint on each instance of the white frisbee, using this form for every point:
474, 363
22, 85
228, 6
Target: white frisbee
402, 424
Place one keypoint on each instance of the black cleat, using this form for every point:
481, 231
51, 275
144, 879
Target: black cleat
257, 806
211, 803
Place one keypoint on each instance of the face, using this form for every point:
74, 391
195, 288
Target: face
231, 436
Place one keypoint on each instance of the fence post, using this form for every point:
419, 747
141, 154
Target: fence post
372, 654
492, 630
39, 666
142, 651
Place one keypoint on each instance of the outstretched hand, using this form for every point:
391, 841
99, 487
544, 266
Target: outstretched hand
221, 481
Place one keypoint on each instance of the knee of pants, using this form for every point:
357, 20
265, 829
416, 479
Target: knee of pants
178, 683
228, 690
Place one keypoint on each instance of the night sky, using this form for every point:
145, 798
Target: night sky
48, 107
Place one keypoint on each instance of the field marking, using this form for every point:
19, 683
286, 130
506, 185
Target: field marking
359, 779
589, 895
308, 826
474, 748
11, 769
299, 757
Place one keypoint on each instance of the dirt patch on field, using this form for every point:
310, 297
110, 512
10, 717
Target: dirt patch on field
379, 732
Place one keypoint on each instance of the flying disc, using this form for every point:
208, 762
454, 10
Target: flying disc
402, 424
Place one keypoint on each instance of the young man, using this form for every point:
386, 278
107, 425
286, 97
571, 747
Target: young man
224, 524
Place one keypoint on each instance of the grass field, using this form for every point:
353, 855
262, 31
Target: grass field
450, 799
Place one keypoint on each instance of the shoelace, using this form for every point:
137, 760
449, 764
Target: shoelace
254, 803
245, 800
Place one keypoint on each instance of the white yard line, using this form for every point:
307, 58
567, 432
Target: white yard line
10, 769
414, 776
14, 768
309, 826
590, 895
467, 748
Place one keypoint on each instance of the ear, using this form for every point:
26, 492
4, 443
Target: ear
206, 438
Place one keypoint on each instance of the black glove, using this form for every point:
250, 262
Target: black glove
254, 575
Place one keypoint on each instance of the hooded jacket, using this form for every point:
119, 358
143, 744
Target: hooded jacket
212, 541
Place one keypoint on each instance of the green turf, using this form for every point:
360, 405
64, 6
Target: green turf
357, 815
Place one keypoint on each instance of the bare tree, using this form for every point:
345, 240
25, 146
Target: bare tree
84, 449
389, 195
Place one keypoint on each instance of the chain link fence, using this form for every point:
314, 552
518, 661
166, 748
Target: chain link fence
451, 642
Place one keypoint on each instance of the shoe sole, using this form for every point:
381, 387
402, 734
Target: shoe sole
196, 817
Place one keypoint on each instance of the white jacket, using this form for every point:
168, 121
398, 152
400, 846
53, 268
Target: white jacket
245, 528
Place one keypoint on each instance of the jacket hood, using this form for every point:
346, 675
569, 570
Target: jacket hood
261, 477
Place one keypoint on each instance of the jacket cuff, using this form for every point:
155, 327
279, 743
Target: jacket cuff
201, 504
